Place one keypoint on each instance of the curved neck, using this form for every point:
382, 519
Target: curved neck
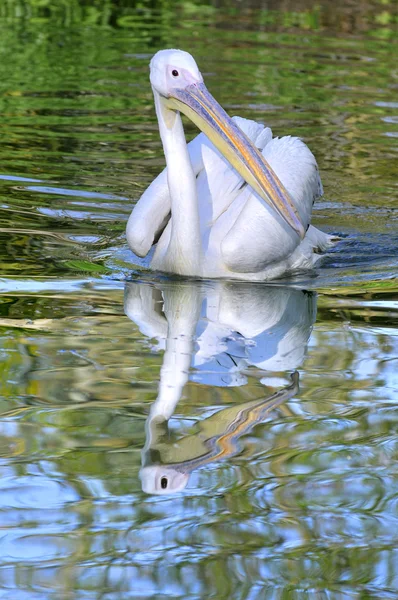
184, 251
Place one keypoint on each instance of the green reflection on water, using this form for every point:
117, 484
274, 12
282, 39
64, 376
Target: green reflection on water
305, 504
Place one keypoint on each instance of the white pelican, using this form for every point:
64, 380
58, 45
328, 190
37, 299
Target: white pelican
235, 202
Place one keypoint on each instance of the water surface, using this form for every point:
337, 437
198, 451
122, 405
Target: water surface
169, 438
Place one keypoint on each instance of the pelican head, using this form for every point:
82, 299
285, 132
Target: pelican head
172, 70
178, 87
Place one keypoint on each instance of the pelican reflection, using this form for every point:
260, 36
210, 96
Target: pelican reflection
215, 333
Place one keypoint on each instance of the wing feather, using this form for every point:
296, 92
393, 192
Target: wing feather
259, 236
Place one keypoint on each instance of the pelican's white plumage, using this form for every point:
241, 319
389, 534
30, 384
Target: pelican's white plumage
211, 222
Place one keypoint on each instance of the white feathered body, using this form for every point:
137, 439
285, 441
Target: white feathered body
242, 237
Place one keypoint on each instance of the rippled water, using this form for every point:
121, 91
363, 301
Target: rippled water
164, 438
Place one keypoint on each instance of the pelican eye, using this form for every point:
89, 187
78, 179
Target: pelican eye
163, 483
175, 73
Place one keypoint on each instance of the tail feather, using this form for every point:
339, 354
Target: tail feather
310, 252
319, 240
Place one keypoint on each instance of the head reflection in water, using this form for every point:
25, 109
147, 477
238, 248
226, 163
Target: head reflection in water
221, 330
162, 480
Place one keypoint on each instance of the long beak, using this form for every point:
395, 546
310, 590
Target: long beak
196, 102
